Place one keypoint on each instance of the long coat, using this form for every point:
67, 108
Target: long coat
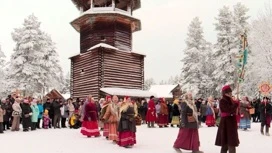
265, 113
227, 133
26, 117
2, 113
151, 112
35, 113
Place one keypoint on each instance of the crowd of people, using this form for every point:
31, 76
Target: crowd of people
117, 118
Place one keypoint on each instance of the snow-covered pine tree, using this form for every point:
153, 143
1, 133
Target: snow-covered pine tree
192, 69
148, 82
260, 58
66, 87
223, 56
34, 65
2, 72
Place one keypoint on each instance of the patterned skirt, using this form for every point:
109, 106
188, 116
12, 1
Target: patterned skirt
106, 130
244, 123
175, 120
90, 128
127, 138
113, 135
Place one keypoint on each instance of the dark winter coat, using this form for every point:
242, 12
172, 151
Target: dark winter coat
203, 109
26, 115
265, 112
56, 108
127, 121
227, 133
176, 110
185, 112
8, 109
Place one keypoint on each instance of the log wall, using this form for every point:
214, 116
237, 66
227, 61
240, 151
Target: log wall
105, 68
113, 32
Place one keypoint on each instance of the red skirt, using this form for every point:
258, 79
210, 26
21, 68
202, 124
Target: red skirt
238, 118
210, 121
268, 121
90, 128
188, 139
126, 138
106, 130
162, 120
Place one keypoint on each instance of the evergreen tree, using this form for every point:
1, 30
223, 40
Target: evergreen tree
66, 87
34, 65
2, 72
192, 69
223, 56
148, 82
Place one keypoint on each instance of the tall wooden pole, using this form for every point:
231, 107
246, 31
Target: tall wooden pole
243, 37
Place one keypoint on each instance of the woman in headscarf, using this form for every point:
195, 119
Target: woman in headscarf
163, 114
90, 124
111, 117
210, 115
16, 114
103, 111
176, 113
245, 122
188, 138
151, 113
100, 104
127, 125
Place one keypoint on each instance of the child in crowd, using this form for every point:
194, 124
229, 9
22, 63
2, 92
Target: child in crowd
46, 119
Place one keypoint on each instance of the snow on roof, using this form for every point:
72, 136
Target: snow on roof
66, 96
128, 92
163, 90
103, 45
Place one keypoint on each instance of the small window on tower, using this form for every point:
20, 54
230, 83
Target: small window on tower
102, 38
82, 71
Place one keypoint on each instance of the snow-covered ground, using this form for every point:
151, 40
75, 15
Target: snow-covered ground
148, 140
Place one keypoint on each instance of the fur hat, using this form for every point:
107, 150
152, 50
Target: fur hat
226, 89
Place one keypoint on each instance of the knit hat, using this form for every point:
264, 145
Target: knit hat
226, 89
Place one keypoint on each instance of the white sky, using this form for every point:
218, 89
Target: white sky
164, 28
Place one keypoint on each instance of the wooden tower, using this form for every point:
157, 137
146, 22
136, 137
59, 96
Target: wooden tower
106, 58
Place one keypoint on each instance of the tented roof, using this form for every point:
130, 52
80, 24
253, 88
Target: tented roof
128, 92
164, 91
54, 94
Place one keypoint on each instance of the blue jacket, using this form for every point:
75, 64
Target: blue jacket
35, 113
40, 106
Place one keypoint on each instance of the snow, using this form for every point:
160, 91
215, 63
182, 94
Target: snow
155, 140
66, 96
128, 92
103, 45
162, 90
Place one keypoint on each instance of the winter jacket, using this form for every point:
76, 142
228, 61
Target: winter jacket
8, 109
2, 113
17, 110
64, 111
35, 113
56, 107
40, 106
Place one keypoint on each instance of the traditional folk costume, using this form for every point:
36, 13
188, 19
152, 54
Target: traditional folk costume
227, 134
245, 122
103, 111
265, 110
90, 123
151, 113
163, 114
111, 117
188, 137
210, 115
127, 125
176, 113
